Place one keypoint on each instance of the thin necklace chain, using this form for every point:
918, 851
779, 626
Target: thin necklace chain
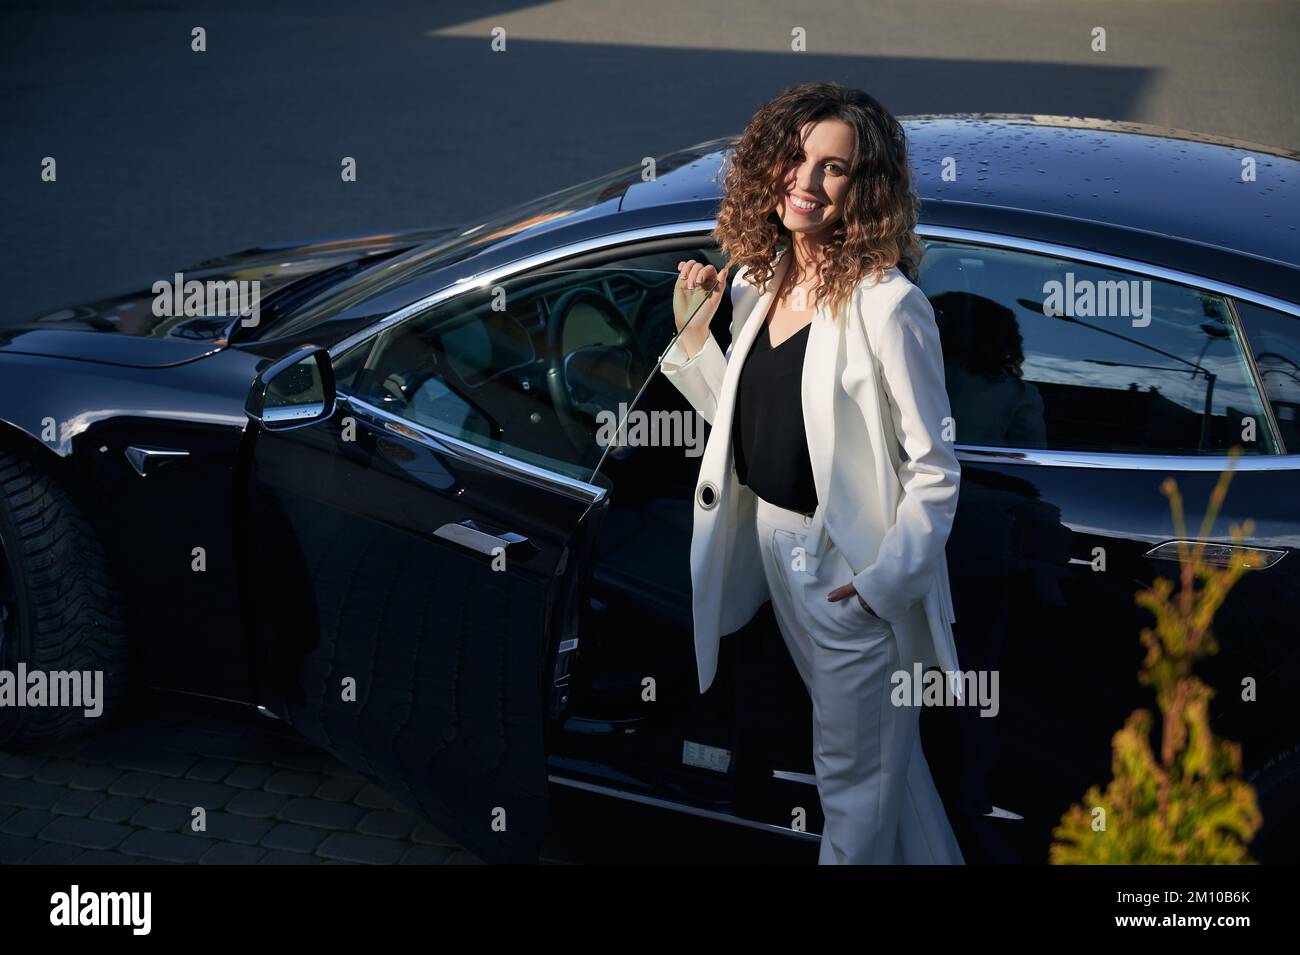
785, 279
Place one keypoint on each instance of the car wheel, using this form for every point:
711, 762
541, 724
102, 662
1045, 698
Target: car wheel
59, 608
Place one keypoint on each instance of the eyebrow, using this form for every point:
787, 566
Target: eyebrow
835, 158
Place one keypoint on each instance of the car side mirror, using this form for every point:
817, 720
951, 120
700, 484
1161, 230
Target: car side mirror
294, 391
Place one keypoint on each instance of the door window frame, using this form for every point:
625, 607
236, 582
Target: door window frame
573, 256
699, 230
1133, 459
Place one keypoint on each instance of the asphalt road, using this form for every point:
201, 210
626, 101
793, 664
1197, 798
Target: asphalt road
166, 156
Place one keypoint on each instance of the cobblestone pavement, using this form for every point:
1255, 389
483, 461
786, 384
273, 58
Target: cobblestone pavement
125, 794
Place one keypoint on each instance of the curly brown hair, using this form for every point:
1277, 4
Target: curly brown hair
876, 231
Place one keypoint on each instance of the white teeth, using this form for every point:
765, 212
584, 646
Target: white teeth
806, 206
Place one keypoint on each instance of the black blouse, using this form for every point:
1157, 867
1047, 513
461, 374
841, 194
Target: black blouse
769, 441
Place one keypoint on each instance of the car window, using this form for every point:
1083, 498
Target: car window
1275, 342
1045, 352
537, 367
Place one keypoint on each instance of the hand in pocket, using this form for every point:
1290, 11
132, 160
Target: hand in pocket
847, 592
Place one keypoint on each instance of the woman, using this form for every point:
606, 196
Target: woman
828, 484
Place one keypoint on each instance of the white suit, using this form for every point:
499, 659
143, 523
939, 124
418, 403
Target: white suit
875, 412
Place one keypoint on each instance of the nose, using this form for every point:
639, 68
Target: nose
806, 180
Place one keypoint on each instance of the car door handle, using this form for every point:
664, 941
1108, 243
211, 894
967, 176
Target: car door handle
1220, 555
469, 535
147, 460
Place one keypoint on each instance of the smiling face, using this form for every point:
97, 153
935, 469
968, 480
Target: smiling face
819, 175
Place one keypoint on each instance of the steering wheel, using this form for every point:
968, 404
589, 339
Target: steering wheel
623, 368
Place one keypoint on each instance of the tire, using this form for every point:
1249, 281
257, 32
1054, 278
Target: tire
59, 606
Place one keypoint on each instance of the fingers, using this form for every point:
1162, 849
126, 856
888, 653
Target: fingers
698, 274
846, 591
839, 593
692, 272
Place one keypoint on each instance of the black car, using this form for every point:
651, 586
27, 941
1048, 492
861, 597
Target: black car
384, 511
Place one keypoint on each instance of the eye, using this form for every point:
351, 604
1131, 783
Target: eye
838, 169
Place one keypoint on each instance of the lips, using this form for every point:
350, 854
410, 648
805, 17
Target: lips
802, 205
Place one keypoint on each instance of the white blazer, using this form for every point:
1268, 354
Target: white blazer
875, 412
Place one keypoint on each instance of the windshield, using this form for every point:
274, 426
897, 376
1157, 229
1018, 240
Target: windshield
567, 205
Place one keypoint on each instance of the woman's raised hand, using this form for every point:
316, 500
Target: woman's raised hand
695, 301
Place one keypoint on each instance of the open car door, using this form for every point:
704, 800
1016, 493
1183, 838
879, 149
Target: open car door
418, 538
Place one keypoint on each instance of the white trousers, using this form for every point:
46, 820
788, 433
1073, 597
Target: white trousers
877, 795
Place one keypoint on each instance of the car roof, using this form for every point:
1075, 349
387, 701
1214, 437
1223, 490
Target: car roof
1166, 197
1153, 179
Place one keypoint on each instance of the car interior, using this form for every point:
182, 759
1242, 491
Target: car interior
636, 702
